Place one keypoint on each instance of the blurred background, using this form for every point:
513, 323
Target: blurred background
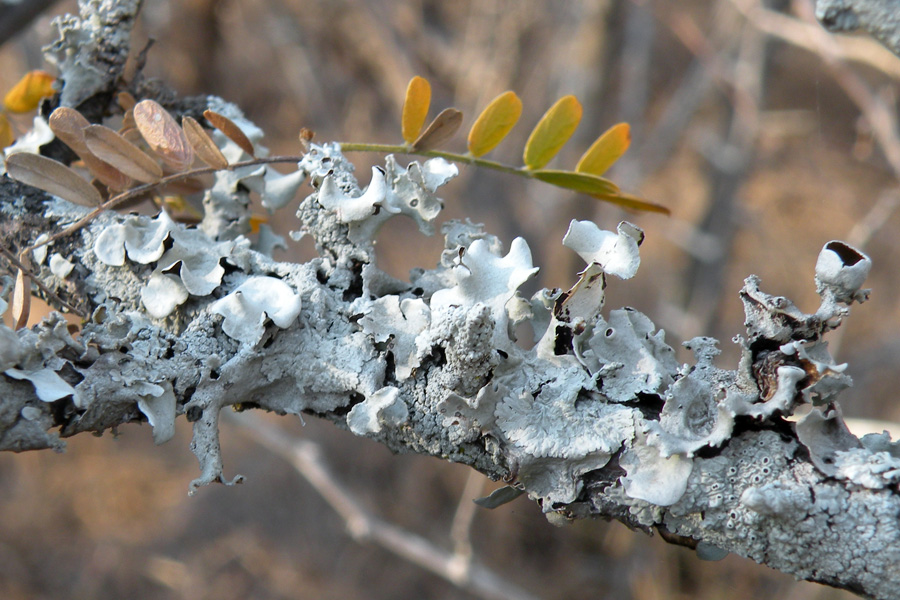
764, 135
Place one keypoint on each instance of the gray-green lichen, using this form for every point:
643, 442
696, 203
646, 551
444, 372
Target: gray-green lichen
596, 417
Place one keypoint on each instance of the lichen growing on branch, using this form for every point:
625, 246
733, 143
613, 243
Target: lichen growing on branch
593, 416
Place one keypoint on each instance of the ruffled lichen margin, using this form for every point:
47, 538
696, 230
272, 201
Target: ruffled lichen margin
593, 417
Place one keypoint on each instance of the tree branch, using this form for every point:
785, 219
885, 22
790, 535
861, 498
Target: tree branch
595, 419
879, 18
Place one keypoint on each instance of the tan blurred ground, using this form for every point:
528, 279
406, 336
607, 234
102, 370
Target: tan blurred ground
111, 519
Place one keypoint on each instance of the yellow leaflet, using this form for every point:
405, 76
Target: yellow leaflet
552, 132
633, 203
608, 148
494, 123
415, 108
577, 182
27, 93
6, 134
179, 205
257, 220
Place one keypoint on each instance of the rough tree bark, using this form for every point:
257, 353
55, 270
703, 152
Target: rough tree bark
880, 18
597, 419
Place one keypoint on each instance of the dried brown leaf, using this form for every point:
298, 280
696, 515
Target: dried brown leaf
439, 131
128, 121
126, 101
306, 136
52, 177
163, 135
203, 145
68, 125
231, 131
21, 300
111, 147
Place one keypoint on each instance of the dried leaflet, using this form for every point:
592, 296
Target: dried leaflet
415, 108
202, 144
126, 101
306, 136
231, 131
494, 123
439, 131
68, 125
52, 177
21, 304
163, 135
552, 132
111, 147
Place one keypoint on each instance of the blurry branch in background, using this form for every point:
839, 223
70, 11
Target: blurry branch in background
735, 64
15, 17
836, 53
456, 567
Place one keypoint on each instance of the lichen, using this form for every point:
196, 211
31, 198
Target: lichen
382, 409
249, 306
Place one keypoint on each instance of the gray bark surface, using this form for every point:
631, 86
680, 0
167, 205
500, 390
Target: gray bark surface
597, 419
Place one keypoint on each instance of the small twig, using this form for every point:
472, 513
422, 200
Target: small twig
460, 158
50, 293
306, 457
461, 528
141, 189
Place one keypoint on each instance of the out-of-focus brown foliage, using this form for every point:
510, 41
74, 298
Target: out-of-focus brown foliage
751, 141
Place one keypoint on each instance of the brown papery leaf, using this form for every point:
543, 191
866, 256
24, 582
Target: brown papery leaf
126, 101
68, 125
21, 300
439, 131
111, 147
52, 177
231, 131
128, 122
163, 135
306, 136
202, 144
